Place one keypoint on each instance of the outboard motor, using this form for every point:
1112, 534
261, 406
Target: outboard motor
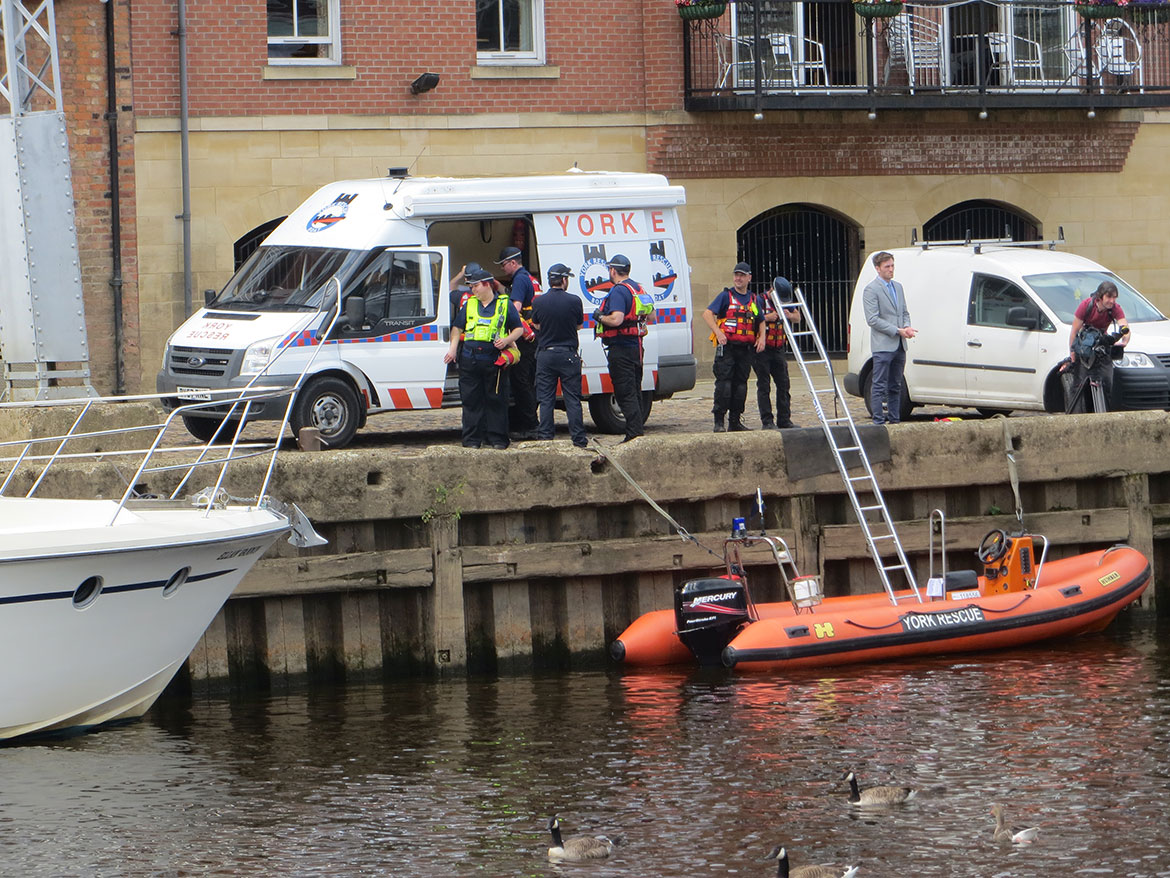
708, 613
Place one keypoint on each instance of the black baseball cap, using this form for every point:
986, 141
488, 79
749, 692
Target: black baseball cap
560, 270
509, 253
742, 268
475, 273
619, 261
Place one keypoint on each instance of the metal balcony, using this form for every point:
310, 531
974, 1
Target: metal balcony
774, 55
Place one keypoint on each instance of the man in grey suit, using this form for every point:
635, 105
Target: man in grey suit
884, 302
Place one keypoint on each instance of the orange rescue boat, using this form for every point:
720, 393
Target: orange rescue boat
1013, 602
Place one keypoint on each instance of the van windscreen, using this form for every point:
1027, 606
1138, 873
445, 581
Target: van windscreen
1063, 291
284, 278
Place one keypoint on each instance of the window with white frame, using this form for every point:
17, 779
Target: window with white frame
304, 32
509, 31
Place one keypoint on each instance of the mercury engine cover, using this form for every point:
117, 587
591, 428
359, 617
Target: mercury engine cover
708, 613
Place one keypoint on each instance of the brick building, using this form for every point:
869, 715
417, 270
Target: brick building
804, 135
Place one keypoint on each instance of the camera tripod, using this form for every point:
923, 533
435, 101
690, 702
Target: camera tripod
1092, 381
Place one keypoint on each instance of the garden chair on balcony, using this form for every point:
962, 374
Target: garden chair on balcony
1119, 51
734, 68
796, 61
1017, 59
915, 43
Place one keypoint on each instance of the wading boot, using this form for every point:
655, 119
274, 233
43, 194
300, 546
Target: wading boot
719, 428
738, 426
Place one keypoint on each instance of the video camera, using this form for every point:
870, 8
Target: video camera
1092, 343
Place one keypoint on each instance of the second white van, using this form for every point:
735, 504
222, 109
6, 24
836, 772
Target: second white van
993, 325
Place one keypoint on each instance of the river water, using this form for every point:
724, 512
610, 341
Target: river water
699, 773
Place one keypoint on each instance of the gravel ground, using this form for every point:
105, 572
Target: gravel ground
688, 412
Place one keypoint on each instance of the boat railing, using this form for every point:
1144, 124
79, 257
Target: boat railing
231, 404
1043, 555
805, 591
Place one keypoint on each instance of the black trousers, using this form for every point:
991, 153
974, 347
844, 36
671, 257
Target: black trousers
625, 370
1101, 371
732, 367
483, 389
563, 364
522, 415
771, 364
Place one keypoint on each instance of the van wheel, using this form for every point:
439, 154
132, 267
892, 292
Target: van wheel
330, 405
607, 414
204, 428
905, 408
991, 413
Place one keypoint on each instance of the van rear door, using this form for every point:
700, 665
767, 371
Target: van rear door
1001, 343
399, 345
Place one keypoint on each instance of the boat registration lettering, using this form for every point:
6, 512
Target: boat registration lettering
1109, 578
238, 553
823, 630
935, 621
964, 595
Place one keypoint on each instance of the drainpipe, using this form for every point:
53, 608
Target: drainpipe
115, 203
185, 159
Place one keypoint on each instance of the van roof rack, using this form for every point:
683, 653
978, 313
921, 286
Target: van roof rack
978, 243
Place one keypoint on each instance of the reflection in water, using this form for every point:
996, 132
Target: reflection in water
700, 773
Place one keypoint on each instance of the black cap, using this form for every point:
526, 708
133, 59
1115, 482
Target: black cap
742, 268
475, 274
509, 253
560, 270
619, 262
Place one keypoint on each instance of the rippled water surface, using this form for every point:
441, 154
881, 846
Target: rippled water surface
699, 773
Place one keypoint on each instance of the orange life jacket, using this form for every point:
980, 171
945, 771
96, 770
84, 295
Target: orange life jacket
635, 319
739, 320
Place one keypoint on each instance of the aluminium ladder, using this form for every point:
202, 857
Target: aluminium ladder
872, 514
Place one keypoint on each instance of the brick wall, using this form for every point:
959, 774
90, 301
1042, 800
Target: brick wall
82, 51
888, 147
604, 53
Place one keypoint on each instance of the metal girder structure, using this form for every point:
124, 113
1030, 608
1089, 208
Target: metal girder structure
42, 315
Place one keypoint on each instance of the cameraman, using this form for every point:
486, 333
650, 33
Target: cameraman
1091, 322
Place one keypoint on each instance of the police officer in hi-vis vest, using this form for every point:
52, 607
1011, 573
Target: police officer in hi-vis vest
734, 317
487, 325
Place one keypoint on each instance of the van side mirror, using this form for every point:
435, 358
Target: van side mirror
209, 296
355, 312
1018, 316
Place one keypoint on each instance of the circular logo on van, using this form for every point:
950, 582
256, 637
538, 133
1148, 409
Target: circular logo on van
662, 278
331, 214
594, 280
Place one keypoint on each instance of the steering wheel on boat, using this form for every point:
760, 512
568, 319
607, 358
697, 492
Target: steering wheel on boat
993, 547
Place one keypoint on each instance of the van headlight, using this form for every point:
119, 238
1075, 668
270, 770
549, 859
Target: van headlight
258, 356
1134, 360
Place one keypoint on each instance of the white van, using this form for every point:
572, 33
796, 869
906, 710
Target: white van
395, 243
993, 325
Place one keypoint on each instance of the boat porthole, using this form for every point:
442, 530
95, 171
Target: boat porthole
87, 592
176, 580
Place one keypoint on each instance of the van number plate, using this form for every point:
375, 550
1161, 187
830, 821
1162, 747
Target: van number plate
194, 393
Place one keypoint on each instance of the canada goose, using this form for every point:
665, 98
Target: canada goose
1006, 833
780, 855
876, 795
577, 849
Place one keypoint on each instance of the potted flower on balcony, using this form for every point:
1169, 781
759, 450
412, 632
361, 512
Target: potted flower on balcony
1100, 8
692, 10
877, 8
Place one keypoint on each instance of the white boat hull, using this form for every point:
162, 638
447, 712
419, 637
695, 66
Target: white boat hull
66, 664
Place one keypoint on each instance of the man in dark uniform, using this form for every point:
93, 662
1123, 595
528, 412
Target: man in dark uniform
522, 416
557, 315
622, 328
771, 363
734, 317
486, 325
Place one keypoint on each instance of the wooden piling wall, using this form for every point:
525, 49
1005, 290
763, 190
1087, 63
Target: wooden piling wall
450, 559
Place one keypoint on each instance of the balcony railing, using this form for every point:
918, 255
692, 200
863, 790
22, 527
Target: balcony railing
777, 54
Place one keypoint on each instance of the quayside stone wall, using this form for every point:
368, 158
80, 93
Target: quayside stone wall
448, 560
